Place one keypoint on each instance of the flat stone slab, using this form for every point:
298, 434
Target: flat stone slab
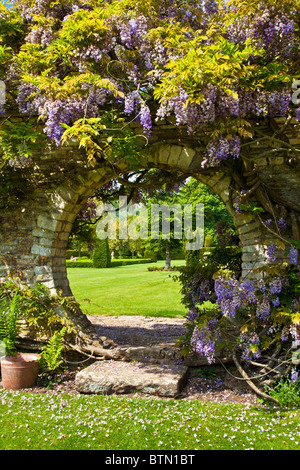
116, 377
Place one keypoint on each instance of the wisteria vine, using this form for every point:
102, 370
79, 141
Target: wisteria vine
132, 46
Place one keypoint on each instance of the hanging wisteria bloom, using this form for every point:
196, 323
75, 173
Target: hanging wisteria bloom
279, 102
250, 346
261, 285
131, 102
282, 223
64, 111
146, 119
293, 256
294, 376
204, 340
271, 250
192, 314
285, 333
233, 295
275, 286
220, 149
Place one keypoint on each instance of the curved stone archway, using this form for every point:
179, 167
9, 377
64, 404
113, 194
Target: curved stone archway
34, 238
34, 233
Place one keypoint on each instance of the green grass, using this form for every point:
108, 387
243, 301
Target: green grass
79, 422
127, 290
58, 421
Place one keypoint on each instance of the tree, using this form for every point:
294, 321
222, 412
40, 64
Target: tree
83, 233
165, 244
194, 192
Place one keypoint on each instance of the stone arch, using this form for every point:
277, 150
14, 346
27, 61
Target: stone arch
42, 224
34, 236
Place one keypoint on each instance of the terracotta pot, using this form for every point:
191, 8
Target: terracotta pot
20, 371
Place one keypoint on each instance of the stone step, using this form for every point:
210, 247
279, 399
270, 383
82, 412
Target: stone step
116, 377
162, 354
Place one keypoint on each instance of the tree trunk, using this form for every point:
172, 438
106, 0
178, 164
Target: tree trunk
168, 256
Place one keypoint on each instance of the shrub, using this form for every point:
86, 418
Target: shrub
9, 323
39, 309
192, 257
151, 254
208, 241
101, 255
286, 393
161, 268
126, 262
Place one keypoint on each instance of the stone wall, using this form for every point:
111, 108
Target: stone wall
34, 233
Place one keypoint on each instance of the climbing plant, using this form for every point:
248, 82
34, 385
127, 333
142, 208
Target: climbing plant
86, 69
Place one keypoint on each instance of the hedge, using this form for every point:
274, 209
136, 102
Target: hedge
88, 263
75, 254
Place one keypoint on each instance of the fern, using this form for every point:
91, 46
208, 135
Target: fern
51, 354
10, 323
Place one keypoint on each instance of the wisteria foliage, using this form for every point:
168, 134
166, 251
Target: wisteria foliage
201, 61
262, 313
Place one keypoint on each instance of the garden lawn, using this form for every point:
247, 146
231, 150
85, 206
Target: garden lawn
78, 422
127, 290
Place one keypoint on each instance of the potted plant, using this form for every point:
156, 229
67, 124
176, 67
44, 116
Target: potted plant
18, 370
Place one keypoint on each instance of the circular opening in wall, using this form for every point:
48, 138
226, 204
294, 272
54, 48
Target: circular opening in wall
124, 274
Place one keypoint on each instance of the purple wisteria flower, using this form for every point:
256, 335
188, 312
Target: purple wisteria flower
192, 314
293, 256
271, 252
249, 343
276, 302
131, 102
232, 295
294, 376
279, 103
263, 310
275, 286
145, 119
261, 285
285, 333
281, 223
204, 340
198, 290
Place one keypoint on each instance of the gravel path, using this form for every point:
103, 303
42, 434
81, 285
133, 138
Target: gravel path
206, 383
138, 330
